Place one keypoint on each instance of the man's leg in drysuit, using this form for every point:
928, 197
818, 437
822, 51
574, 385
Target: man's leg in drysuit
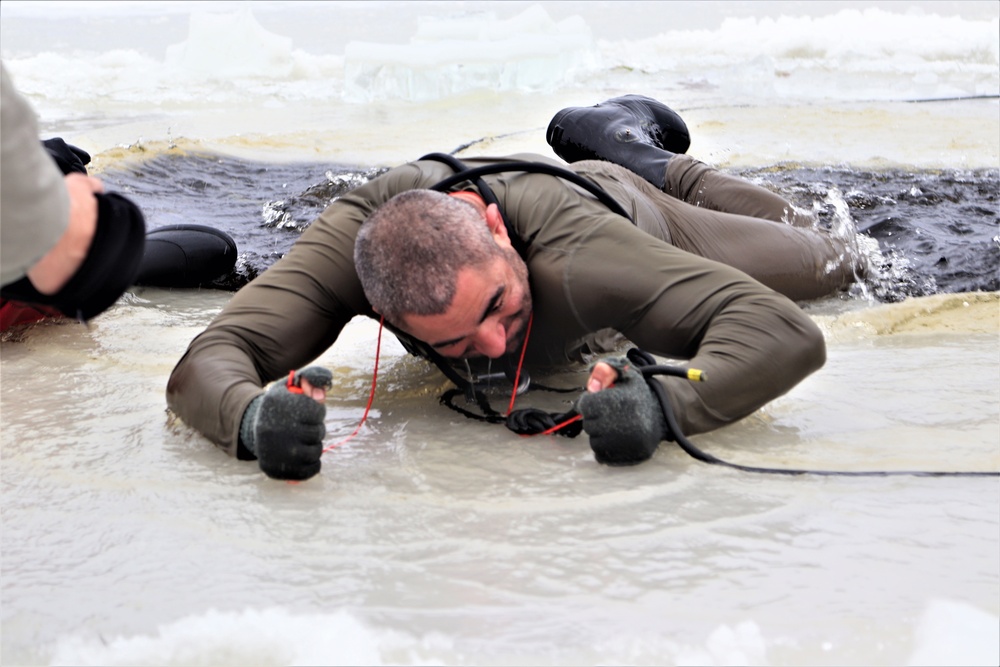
698, 184
802, 263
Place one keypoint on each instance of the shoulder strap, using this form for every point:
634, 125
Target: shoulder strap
485, 191
475, 174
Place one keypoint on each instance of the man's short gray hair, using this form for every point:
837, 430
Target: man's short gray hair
409, 251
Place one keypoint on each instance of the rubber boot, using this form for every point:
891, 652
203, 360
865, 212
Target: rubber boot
633, 131
186, 256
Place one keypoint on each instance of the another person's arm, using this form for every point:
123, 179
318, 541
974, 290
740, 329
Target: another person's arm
58, 265
48, 220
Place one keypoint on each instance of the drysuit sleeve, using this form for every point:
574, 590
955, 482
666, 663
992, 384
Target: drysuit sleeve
753, 343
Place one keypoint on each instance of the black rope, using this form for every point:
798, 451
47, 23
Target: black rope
646, 364
532, 421
526, 421
488, 414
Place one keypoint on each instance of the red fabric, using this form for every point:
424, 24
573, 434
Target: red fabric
13, 313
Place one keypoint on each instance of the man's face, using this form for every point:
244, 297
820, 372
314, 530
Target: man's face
487, 317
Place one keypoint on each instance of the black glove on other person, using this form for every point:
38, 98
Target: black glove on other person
70, 159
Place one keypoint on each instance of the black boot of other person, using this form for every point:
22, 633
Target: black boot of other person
633, 131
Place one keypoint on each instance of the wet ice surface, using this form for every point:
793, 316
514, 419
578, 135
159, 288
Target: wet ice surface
432, 538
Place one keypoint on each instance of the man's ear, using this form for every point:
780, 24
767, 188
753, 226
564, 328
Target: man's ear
494, 220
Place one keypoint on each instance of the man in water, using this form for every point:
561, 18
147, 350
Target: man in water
527, 262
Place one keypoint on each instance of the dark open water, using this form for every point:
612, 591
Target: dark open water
939, 231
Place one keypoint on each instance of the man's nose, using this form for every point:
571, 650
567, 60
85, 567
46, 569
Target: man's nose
491, 341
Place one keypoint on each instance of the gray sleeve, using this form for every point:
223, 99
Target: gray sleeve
34, 204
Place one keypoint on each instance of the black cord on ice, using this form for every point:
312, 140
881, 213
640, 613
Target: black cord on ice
645, 363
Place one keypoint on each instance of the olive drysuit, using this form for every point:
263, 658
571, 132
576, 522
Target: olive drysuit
683, 281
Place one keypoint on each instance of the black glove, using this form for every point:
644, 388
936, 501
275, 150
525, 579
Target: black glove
624, 421
284, 428
111, 264
69, 158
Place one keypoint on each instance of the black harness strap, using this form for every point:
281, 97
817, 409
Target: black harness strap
475, 174
462, 173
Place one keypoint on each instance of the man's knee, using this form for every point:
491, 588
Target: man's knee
810, 348
796, 343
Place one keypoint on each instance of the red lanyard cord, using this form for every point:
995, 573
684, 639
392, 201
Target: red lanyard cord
371, 394
517, 383
510, 408
520, 362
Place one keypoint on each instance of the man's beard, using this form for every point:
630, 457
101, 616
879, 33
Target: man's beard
515, 341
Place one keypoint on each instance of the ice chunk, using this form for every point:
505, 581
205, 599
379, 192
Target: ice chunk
221, 46
456, 55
